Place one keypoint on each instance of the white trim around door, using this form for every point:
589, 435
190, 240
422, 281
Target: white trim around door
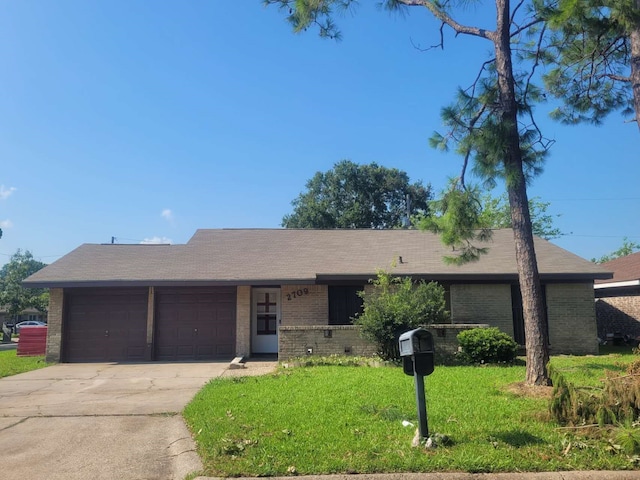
265, 320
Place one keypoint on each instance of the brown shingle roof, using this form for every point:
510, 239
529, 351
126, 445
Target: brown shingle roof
262, 256
624, 268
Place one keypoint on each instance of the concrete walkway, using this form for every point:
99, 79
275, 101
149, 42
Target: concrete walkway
103, 421
8, 346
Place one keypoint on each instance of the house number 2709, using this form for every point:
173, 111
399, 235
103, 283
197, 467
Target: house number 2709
298, 293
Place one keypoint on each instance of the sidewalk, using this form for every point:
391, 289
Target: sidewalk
9, 346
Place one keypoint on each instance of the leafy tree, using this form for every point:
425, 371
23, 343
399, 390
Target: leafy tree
357, 196
491, 124
496, 214
595, 54
627, 248
13, 296
396, 305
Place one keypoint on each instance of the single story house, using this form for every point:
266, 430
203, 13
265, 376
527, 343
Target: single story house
618, 299
242, 292
27, 314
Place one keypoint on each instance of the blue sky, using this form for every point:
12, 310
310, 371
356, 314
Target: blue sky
150, 119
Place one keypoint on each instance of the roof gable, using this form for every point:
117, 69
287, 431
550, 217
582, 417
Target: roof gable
624, 268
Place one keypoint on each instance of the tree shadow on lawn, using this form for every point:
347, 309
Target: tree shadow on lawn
517, 438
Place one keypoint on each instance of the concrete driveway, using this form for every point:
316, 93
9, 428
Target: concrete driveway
103, 421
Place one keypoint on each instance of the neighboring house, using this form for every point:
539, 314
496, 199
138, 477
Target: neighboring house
618, 299
28, 314
243, 292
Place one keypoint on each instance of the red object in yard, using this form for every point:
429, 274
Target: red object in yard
32, 341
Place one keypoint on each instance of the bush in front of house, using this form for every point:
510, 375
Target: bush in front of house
486, 345
396, 305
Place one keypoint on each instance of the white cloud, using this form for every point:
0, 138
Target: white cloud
167, 214
6, 192
156, 240
6, 223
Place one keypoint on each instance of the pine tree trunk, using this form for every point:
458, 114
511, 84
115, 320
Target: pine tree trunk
534, 316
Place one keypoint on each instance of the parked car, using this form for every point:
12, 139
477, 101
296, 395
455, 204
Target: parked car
29, 323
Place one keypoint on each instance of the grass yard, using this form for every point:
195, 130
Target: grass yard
588, 371
339, 419
11, 364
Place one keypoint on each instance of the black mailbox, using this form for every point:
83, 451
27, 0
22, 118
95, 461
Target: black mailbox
416, 350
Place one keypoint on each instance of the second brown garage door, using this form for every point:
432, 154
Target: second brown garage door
197, 323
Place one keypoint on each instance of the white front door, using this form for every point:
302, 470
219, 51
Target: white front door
265, 318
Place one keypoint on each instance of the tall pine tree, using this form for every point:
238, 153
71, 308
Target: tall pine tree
595, 59
489, 124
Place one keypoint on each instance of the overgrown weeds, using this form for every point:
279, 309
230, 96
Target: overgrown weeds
613, 405
616, 401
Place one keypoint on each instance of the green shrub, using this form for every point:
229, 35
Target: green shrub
486, 345
396, 305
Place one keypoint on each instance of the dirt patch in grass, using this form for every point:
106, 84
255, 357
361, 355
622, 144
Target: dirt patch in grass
521, 389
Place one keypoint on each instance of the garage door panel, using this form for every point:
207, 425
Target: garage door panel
164, 352
184, 334
105, 325
225, 350
206, 352
195, 323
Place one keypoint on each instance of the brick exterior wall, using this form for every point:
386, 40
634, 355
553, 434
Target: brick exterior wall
243, 321
482, 303
572, 318
445, 341
54, 332
310, 308
295, 341
619, 316
571, 310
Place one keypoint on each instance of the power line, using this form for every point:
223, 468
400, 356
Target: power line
597, 236
590, 199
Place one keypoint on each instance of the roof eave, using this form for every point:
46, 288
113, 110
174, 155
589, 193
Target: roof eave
320, 278
161, 283
476, 277
626, 283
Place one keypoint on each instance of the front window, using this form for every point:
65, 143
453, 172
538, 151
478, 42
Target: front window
344, 304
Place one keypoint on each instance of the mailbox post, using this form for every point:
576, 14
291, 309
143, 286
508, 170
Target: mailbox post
416, 350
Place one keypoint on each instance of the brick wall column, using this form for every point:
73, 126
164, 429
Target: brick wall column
572, 318
243, 321
54, 324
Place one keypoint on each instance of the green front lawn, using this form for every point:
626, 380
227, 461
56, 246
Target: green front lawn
339, 419
11, 364
589, 371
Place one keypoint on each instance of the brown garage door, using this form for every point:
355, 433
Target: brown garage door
196, 323
105, 325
